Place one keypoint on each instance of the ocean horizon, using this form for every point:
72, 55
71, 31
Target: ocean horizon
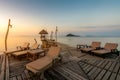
13, 42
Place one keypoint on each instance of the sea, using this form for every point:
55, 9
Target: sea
13, 42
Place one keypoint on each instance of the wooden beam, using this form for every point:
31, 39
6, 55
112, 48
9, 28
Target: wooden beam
2, 75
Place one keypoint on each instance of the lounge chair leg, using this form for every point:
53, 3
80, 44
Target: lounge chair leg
42, 76
117, 53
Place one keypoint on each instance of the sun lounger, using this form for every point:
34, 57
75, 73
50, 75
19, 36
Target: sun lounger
94, 45
25, 46
33, 47
108, 48
40, 65
80, 46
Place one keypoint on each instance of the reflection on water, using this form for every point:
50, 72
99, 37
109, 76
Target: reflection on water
72, 41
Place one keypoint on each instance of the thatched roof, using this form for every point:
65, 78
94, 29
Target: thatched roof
43, 32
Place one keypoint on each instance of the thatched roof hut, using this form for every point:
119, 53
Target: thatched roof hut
43, 32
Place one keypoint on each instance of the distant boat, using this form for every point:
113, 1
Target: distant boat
72, 35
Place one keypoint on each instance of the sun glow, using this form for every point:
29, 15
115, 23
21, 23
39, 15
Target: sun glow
3, 26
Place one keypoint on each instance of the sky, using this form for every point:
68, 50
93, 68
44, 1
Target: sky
81, 17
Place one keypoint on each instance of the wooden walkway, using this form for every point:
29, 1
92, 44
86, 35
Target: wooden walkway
101, 69
74, 66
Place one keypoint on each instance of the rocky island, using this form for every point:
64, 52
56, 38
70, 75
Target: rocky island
72, 35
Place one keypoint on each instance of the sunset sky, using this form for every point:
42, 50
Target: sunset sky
82, 17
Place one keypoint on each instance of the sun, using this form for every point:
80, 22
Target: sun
3, 25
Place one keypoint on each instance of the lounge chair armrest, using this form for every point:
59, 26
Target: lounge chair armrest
97, 48
88, 46
115, 51
18, 47
102, 48
81, 46
22, 48
57, 59
28, 47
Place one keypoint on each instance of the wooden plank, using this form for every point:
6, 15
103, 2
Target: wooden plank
7, 69
94, 73
73, 66
113, 76
98, 69
23, 76
19, 78
101, 62
118, 77
104, 64
1, 59
92, 61
14, 78
116, 69
113, 65
10, 78
107, 75
27, 74
76, 76
84, 65
101, 74
84, 61
81, 63
89, 69
52, 75
67, 76
91, 66
2, 75
108, 65
68, 70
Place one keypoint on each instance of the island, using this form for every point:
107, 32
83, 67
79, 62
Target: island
72, 35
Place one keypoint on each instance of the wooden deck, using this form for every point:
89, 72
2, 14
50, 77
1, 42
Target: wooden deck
101, 69
74, 66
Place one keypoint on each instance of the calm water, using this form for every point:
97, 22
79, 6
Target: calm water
72, 41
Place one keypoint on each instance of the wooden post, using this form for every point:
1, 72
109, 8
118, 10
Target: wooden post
9, 26
51, 35
35, 40
56, 33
